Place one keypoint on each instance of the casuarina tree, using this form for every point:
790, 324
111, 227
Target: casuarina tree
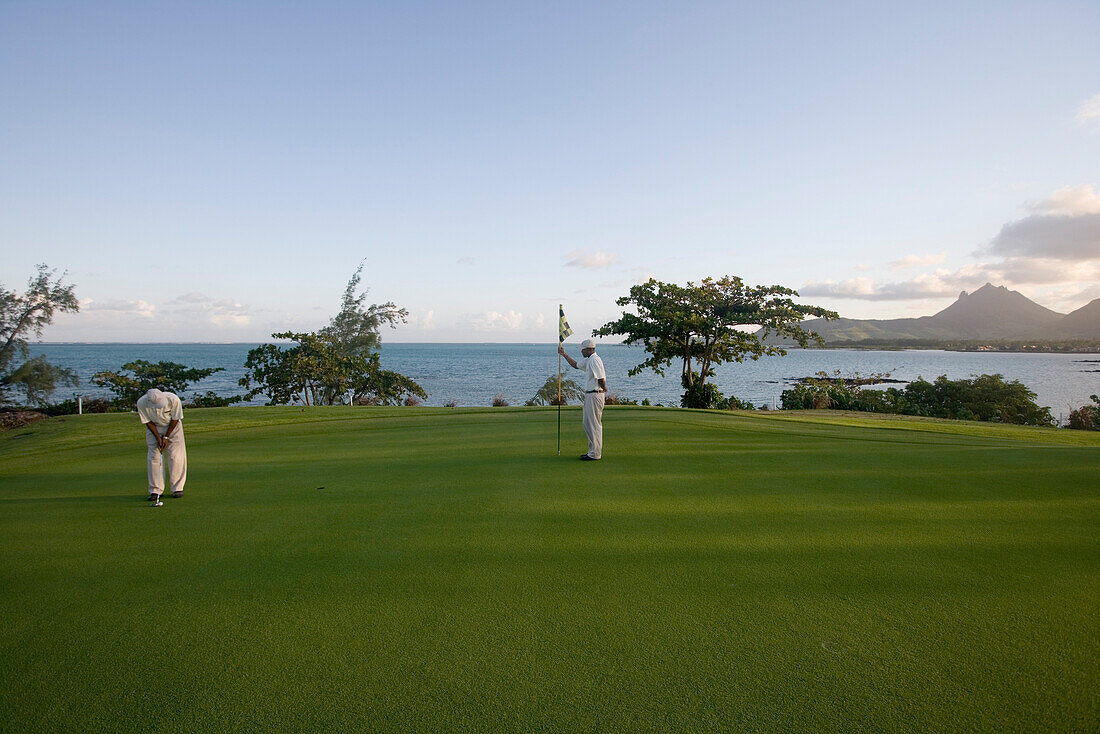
338, 364
22, 314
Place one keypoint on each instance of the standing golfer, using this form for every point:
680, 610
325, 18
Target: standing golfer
595, 387
162, 414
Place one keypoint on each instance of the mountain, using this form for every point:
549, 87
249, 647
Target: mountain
1084, 323
989, 313
995, 312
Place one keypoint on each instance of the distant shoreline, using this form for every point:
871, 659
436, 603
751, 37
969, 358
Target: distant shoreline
995, 348
1010, 347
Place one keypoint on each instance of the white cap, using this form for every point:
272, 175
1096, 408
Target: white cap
588, 344
156, 397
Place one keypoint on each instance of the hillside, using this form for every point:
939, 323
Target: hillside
989, 313
1083, 323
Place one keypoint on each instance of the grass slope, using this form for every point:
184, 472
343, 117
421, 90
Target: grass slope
432, 569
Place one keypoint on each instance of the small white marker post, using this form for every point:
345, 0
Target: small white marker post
80, 405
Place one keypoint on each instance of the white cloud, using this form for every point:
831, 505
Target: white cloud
464, 261
851, 288
496, 321
591, 260
918, 261
144, 309
937, 285
1042, 271
1070, 298
423, 319
192, 297
942, 283
1069, 201
197, 308
1089, 109
1050, 236
229, 319
1088, 295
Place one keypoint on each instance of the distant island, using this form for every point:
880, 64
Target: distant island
991, 319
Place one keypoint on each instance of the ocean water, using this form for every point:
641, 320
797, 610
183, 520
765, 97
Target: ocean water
471, 374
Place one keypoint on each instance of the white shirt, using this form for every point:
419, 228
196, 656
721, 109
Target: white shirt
160, 415
593, 371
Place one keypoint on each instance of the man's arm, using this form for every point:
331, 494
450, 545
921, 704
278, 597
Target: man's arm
161, 442
603, 384
572, 362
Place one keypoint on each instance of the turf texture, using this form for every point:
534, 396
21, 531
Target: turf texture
417, 569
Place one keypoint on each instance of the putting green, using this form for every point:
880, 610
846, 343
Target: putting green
443, 570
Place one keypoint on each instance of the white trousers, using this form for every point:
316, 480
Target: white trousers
176, 453
592, 416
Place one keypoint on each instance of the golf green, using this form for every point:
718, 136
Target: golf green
422, 569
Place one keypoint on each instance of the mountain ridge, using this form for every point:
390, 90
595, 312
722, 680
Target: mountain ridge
989, 313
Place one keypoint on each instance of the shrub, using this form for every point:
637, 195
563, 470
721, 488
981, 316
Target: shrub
450, 404
411, 401
91, 405
645, 401
699, 394
548, 393
65, 407
99, 405
499, 401
1087, 417
614, 398
837, 393
982, 398
734, 404
168, 376
212, 400
10, 419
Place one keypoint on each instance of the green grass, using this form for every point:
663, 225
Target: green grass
444, 570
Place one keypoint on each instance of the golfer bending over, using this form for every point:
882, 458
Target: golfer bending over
595, 386
162, 414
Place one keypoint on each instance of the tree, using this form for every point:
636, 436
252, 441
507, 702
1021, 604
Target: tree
699, 325
338, 364
319, 371
548, 393
145, 375
385, 387
355, 328
21, 315
980, 398
212, 400
1087, 417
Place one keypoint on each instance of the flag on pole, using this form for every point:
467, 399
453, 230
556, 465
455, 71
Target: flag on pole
563, 332
563, 326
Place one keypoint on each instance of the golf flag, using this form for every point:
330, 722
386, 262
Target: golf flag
563, 332
563, 326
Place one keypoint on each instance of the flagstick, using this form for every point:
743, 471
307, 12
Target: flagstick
559, 399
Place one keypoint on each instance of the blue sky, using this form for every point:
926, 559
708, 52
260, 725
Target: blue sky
216, 171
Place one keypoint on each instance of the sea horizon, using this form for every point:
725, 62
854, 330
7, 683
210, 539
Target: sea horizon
291, 341
474, 373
